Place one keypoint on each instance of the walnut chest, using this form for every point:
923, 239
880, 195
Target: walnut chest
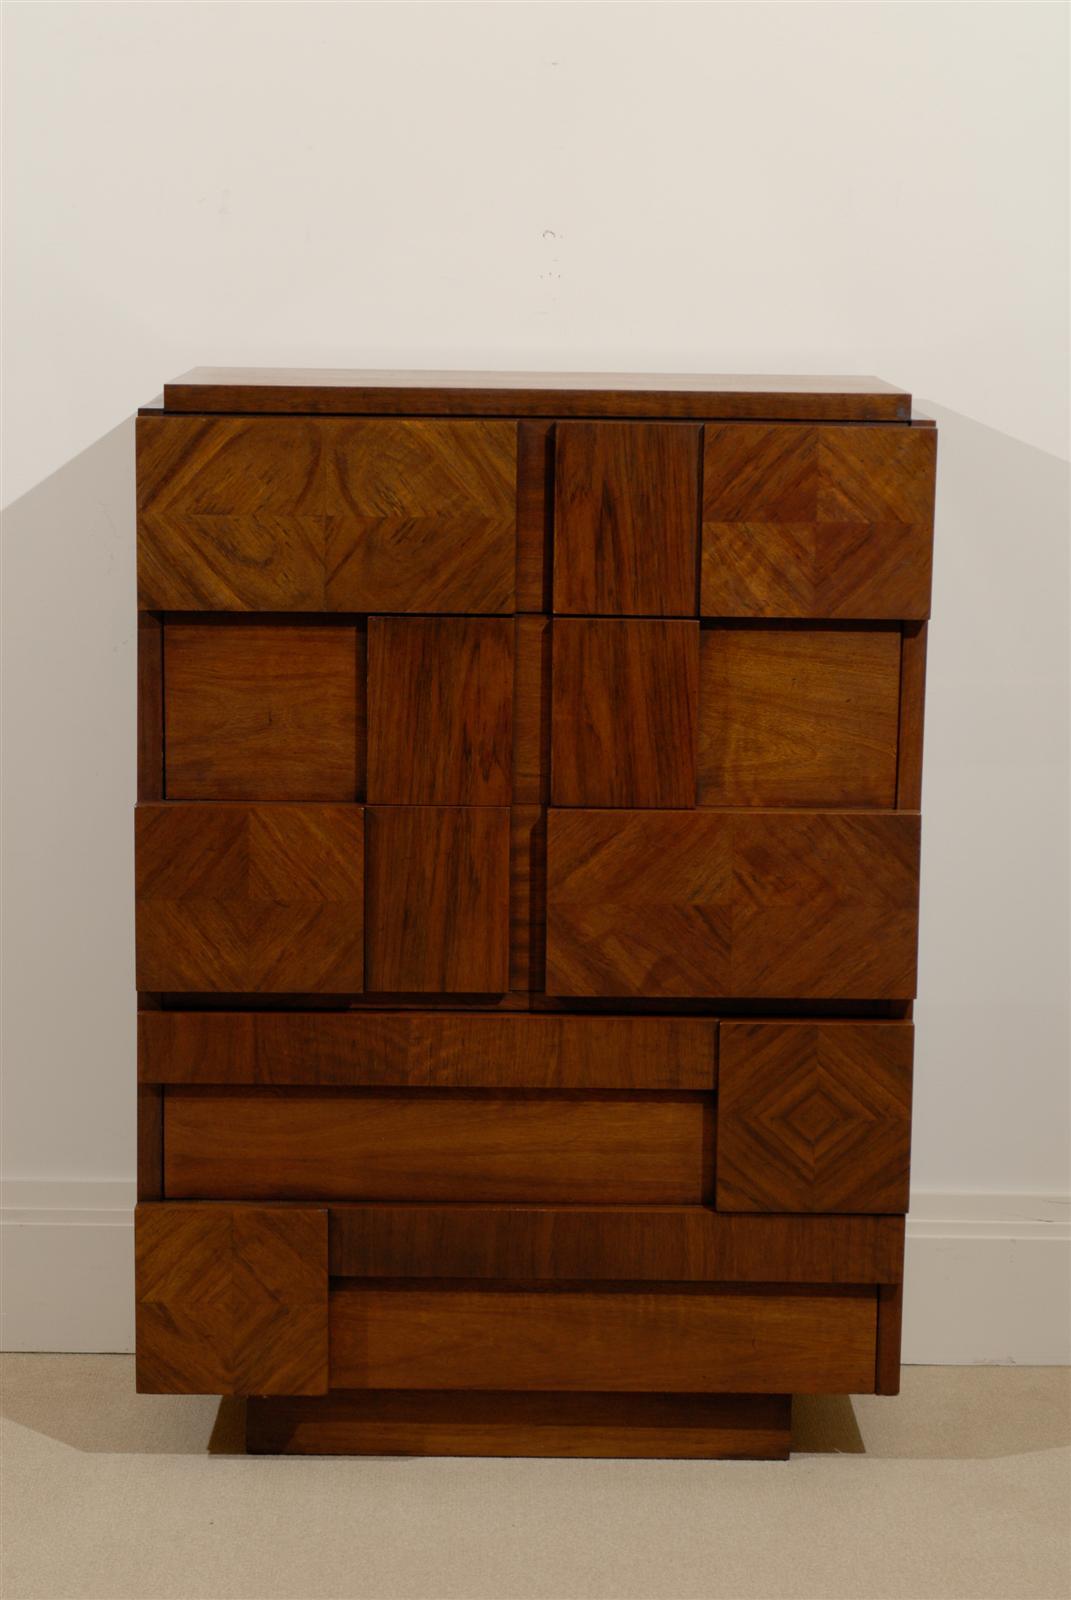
527, 884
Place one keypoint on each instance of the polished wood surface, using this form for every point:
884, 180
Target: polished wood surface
624, 712
262, 713
437, 899
798, 716
531, 710
413, 1336
236, 898
626, 518
578, 1243
912, 715
231, 1299
814, 1117
745, 903
429, 1050
817, 522
440, 710
430, 1423
471, 1146
546, 394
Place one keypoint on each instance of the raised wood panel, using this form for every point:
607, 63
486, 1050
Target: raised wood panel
265, 1145
428, 1423
262, 712
805, 905
535, 501
531, 711
626, 518
527, 899
231, 1299
803, 521
434, 1050
421, 515
230, 513
440, 710
807, 1341
681, 1244
798, 716
235, 898
814, 1116
437, 899
624, 712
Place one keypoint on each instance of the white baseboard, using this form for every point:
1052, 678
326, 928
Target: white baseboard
988, 1277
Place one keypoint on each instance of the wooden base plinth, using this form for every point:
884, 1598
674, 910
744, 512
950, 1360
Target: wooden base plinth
466, 1423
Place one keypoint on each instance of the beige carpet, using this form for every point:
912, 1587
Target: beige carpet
960, 1487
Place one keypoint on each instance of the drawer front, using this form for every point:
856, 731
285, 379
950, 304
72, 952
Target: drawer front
805, 905
426, 1050
309, 514
817, 521
808, 1341
814, 1116
280, 1145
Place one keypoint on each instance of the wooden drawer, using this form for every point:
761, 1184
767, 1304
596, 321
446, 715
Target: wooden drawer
426, 1049
814, 1116
748, 904
465, 1146
312, 514
755, 1341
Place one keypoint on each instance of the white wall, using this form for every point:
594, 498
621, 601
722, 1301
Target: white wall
844, 188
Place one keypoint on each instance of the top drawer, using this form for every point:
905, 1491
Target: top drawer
307, 514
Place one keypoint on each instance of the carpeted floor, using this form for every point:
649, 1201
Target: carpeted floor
960, 1487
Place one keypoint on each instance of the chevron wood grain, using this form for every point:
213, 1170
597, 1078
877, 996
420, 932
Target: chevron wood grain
235, 898
624, 706
440, 710
734, 904
230, 513
421, 515
792, 716
802, 521
814, 1116
231, 1299
626, 518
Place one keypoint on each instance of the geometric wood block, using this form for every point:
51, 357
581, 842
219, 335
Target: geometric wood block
440, 695
659, 1339
623, 722
426, 1050
814, 1116
798, 716
236, 898
779, 905
421, 515
262, 712
739, 1427
231, 1299
803, 521
230, 514
438, 899
229, 1144
626, 518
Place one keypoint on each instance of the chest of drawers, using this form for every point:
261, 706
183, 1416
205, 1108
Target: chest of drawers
527, 854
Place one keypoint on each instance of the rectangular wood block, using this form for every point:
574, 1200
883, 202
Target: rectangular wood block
429, 1423
623, 721
814, 1116
263, 712
437, 899
286, 1145
665, 1340
798, 716
235, 898
231, 1299
802, 521
426, 1049
626, 518
734, 904
440, 710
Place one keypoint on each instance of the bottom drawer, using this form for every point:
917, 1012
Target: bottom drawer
699, 1339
